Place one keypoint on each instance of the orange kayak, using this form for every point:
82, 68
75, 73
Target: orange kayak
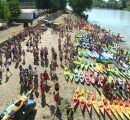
101, 107
114, 112
74, 102
107, 108
82, 103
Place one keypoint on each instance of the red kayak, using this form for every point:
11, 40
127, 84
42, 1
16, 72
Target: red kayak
89, 106
101, 107
101, 80
92, 80
74, 103
107, 109
87, 78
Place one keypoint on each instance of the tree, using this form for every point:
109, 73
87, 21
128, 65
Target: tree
4, 12
15, 10
58, 5
123, 3
43, 4
79, 6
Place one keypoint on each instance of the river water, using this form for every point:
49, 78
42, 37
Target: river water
117, 21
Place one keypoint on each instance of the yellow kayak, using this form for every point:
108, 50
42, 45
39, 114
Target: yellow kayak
96, 107
100, 67
127, 108
83, 93
114, 112
15, 107
125, 112
118, 109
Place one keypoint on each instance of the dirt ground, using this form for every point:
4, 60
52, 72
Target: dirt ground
10, 88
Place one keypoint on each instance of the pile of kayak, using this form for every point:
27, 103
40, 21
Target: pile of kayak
88, 100
82, 67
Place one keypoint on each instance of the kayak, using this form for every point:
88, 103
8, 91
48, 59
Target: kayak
76, 77
96, 107
83, 93
77, 93
100, 68
114, 112
68, 75
82, 103
118, 109
10, 111
127, 108
122, 107
89, 106
74, 102
87, 77
101, 80
81, 77
108, 110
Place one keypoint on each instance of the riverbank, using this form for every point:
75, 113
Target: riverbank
10, 88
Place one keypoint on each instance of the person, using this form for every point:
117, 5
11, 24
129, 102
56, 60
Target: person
24, 54
69, 112
57, 98
1, 71
7, 69
52, 109
56, 86
43, 87
46, 75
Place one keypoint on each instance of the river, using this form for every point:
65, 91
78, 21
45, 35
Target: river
117, 21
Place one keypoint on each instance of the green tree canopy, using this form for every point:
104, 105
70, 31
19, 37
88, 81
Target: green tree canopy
79, 6
14, 8
4, 11
43, 4
58, 5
